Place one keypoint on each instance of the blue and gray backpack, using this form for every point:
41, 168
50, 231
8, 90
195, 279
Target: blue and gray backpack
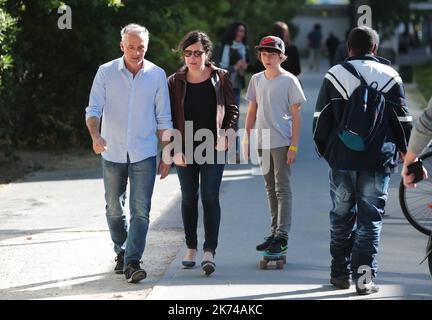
363, 114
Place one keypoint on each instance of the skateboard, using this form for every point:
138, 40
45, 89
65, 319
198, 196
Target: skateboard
276, 261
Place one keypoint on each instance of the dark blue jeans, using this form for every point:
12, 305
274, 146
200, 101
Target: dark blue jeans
356, 220
142, 178
211, 177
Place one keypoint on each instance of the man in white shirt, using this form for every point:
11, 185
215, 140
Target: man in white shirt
130, 94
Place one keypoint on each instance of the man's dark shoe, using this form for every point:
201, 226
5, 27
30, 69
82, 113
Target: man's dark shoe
134, 273
118, 269
263, 246
341, 283
278, 246
366, 289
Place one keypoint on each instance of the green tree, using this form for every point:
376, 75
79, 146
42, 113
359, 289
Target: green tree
7, 37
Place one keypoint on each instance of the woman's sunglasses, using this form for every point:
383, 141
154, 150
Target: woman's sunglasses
196, 53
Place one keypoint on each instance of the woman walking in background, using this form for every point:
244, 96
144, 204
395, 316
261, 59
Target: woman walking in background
233, 55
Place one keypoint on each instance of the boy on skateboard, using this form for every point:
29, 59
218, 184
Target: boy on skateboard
275, 97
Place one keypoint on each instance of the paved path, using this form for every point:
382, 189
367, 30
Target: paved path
54, 242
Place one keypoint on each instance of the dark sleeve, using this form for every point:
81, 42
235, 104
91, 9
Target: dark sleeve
323, 122
170, 81
251, 66
217, 54
293, 62
231, 109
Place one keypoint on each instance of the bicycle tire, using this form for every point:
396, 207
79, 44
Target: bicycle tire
405, 207
430, 264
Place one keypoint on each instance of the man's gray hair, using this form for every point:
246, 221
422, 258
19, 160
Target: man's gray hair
133, 28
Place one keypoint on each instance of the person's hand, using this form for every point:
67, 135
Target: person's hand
240, 65
99, 145
163, 169
291, 156
179, 159
409, 178
222, 143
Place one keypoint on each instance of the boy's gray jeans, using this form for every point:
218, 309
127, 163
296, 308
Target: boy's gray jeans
277, 173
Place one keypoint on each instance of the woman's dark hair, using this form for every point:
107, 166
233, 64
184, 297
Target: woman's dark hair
280, 29
361, 41
231, 32
197, 36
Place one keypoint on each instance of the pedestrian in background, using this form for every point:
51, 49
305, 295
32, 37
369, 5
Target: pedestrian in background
232, 54
315, 46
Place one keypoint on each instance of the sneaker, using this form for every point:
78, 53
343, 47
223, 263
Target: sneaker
134, 273
278, 246
367, 288
341, 283
263, 246
118, 269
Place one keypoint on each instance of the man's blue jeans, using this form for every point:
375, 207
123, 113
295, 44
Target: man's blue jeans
356, 220
142, 178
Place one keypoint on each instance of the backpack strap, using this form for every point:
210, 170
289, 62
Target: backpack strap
348, 66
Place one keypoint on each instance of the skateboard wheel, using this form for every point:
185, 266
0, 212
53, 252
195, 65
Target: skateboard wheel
279, 264
284, 259
263, 265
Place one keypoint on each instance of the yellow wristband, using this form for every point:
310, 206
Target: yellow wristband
293, 148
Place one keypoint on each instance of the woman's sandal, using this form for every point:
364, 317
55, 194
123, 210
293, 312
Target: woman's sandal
208, 267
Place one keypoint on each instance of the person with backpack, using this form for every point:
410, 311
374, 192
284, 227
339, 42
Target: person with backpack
361, 121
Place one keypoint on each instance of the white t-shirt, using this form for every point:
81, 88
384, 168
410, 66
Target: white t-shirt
274, 98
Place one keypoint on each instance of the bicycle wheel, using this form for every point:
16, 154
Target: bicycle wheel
430, 264
416, 204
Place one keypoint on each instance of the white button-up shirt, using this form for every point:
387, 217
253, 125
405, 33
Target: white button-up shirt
132, 109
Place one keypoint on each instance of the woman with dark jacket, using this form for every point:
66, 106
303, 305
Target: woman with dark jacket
233, 55
201, 95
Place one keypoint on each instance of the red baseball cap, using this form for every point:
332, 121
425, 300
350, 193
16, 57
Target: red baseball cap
272, 42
